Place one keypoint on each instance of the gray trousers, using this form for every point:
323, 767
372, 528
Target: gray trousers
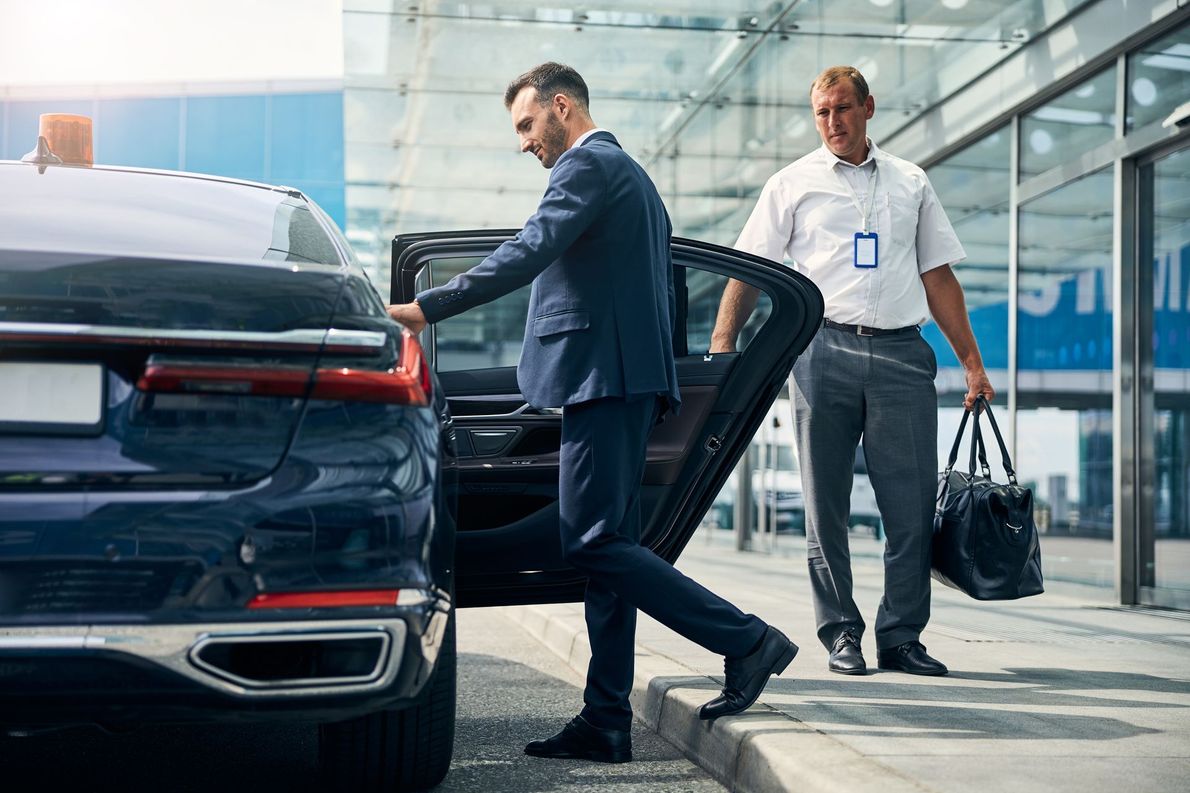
880, 388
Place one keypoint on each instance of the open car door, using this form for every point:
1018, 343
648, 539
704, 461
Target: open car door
508, 549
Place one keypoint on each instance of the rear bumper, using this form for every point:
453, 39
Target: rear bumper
136, 674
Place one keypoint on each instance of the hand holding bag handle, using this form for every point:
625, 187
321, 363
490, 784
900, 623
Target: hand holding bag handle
977, 444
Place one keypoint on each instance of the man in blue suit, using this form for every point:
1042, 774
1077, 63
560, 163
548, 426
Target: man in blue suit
598, 343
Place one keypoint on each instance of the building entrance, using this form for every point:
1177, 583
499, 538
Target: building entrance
1163, 225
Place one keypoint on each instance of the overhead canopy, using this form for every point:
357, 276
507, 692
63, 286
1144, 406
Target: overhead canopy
711, 95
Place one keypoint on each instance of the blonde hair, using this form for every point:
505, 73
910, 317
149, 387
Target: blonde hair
837, 73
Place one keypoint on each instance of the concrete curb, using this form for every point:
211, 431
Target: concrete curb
759, 751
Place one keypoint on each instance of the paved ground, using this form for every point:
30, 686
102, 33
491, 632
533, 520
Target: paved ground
1055, 693
511, 692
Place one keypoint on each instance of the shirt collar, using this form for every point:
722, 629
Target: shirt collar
832, 160
583, 138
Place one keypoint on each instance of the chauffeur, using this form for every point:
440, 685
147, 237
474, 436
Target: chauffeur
867, 228
598, 343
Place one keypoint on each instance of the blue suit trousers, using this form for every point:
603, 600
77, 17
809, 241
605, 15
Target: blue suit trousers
601, 466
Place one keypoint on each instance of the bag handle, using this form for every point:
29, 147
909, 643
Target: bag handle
978, 447
954, 449
1005, 459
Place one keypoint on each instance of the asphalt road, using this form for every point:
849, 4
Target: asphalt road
511, 690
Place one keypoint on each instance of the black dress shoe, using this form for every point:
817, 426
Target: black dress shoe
581, 740
744, 678
846, 656
910, 657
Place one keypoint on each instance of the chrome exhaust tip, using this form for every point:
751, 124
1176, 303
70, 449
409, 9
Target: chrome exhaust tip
291, 660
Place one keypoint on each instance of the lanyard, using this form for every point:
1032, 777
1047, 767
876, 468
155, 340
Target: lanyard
865, 212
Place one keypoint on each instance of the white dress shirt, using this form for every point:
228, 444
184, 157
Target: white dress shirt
810, 211
579, 141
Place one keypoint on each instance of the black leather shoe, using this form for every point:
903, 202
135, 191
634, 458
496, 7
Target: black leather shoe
846, 656
910, 657
744, 678
581, 740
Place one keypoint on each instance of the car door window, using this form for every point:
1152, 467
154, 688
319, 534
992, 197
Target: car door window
490, 336
485, 337
704, 289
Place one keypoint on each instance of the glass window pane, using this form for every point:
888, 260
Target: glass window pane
225, 136
1069, 125
485, 337
306, 140
138, 132
973, 186
1158, 78
1064, 354
703, 293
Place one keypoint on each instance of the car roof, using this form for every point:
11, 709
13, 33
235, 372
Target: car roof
145, 212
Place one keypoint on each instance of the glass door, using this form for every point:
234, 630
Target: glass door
1163, 225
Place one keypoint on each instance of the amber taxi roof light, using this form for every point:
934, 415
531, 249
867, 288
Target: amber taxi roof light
69, 137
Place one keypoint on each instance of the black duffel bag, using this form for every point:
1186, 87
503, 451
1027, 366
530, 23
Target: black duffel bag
985, 540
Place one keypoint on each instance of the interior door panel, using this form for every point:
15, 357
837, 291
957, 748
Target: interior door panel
508, 548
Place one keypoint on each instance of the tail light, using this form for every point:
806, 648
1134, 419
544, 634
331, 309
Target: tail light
406, 383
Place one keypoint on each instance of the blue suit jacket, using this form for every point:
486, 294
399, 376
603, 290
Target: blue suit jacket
602, 309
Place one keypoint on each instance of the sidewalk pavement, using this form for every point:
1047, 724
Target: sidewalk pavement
1052, 693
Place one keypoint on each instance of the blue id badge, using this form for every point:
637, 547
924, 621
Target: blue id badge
866, 249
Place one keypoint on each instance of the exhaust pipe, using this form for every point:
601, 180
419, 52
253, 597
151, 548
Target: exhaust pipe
294, 659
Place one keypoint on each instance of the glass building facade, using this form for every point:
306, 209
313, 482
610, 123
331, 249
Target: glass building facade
1089, 199
1050, 131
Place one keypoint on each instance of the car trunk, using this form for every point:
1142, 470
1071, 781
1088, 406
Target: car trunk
121, 372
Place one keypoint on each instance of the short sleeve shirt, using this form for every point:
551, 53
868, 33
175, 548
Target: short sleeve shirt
810, 211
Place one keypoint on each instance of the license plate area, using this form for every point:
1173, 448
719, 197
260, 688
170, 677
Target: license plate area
51, 398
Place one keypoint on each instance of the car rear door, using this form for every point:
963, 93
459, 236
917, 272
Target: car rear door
507, 548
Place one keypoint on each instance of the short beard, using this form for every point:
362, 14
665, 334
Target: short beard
553, 141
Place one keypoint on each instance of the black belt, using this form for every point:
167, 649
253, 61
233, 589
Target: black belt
864, 330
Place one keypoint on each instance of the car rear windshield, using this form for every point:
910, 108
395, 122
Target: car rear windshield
136, 213
164, 293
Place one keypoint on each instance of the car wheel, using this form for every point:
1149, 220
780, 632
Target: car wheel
405, 749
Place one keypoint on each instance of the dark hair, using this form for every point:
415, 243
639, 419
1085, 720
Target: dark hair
550, 79
839, 73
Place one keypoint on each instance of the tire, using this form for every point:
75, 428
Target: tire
406, 749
